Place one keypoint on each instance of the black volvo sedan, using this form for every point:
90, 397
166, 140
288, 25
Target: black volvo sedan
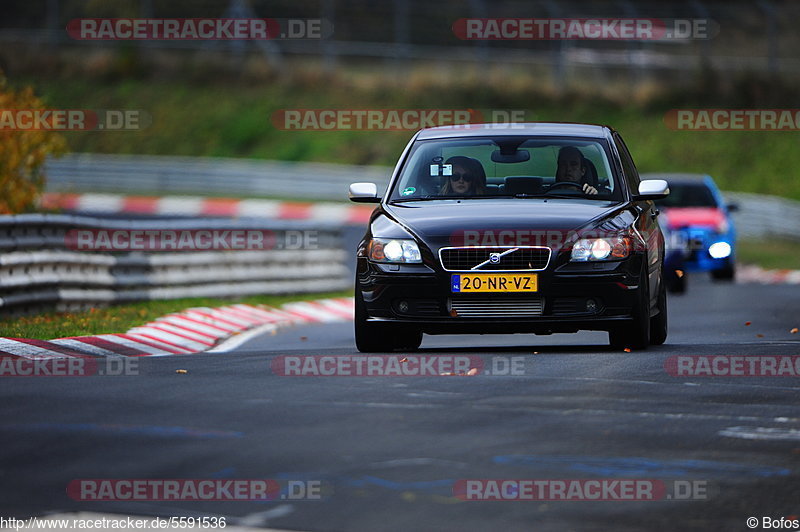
520, 228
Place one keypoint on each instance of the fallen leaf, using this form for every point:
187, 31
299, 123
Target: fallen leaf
747, 323
181, 371
794, 331
627, 350
760, 336
472, 371
303, 338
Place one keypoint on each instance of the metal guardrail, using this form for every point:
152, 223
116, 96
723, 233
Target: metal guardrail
159, 175
765, 216
38, 270
758, 215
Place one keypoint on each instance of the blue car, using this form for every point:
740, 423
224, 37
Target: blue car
696, 211
676, 252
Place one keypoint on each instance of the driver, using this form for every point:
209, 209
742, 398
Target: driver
572, 169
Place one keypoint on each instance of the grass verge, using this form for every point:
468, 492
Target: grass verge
769, 253
236, 120
118, 319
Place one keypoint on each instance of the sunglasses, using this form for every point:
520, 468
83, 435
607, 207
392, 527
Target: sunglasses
457, 177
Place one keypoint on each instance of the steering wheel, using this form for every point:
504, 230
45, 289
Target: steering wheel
579, 186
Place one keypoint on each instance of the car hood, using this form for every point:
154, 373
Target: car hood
678, 217
444, 221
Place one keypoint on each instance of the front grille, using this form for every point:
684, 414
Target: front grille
512, 259
497, 308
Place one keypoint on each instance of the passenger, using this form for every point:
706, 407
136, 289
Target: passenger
468, 177
572, 169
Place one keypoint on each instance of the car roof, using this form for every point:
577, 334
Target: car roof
544, 129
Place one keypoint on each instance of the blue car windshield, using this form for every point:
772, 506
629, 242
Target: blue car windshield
688, 195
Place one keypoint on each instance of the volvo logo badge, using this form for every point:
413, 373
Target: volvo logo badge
494, 258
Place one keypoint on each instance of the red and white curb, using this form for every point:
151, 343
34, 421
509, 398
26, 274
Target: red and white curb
746, 273
192, 331
200, 206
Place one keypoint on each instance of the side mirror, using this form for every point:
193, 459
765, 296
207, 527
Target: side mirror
652, 189
364, 193
733, 207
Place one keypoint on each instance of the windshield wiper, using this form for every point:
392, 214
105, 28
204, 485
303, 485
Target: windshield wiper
559, 196
446, 198
526, 195
419, 198
543, 195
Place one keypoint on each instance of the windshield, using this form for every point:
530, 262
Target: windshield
688, 195
476, 168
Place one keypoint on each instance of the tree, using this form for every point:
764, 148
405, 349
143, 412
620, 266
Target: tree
23, 152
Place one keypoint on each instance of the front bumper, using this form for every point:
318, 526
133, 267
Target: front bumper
698, 258
420, 296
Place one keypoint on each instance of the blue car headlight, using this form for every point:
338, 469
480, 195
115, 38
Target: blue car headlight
719, 250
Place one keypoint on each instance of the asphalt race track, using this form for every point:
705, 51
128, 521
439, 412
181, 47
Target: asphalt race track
388, 450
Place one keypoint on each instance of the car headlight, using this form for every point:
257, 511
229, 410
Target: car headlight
719, 250
591, 249
394, 250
